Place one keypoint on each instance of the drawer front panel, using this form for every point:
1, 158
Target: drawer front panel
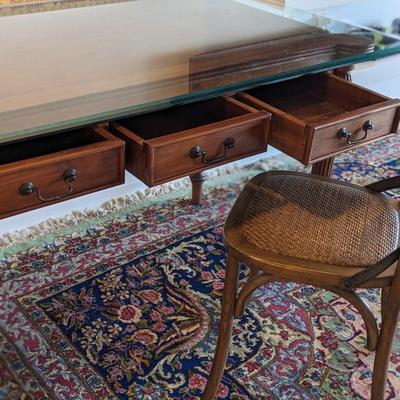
326, 140
207, 149
94, 171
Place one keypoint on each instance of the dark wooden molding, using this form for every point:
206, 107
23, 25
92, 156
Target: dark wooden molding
255, 60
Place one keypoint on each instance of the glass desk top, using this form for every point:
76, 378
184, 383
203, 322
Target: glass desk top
75, 67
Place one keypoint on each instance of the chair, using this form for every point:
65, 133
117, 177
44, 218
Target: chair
291, 226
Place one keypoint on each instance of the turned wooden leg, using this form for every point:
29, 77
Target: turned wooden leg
197, 187
225, 328
324, 167
388, 329
344, 72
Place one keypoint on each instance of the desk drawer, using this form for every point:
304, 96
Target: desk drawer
48, 169
180, 141
318, 116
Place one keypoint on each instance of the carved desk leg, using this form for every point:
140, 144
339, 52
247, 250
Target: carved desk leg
344, 72
197, 187
324, 167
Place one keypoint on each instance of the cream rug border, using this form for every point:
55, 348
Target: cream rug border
78, 221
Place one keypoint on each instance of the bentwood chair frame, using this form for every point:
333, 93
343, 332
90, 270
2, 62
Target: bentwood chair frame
342, 280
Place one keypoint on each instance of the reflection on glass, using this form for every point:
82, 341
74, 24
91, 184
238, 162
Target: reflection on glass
65, 69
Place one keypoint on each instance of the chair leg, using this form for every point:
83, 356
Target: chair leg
247, 290
382, 355
225, 328
384, 294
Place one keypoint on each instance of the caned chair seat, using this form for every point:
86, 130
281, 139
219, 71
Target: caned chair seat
297, 227
319, 220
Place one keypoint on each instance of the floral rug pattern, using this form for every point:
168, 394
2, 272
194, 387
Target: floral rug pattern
128, 308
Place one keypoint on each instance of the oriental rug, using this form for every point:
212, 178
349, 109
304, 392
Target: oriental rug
124, 304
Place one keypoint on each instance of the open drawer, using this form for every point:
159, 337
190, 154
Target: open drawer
184, 140
47, 169
318, 116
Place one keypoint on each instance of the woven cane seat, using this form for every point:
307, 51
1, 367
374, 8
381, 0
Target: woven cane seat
321, 220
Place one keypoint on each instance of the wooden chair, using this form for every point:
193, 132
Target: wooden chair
290, 226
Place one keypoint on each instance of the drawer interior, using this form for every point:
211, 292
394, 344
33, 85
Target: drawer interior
48, 144
315, 98
181, 118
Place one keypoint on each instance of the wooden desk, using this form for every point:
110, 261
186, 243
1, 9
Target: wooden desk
65, 72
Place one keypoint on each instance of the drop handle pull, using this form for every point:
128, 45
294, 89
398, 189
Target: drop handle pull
345, 134
197, 152
69, 176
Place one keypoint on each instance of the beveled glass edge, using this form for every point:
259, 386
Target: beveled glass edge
294, 14
192, 97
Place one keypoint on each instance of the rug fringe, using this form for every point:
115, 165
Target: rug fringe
107, 209
81, 217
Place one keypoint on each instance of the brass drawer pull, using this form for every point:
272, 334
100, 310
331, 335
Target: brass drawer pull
28, 188
344, 133
196, 152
